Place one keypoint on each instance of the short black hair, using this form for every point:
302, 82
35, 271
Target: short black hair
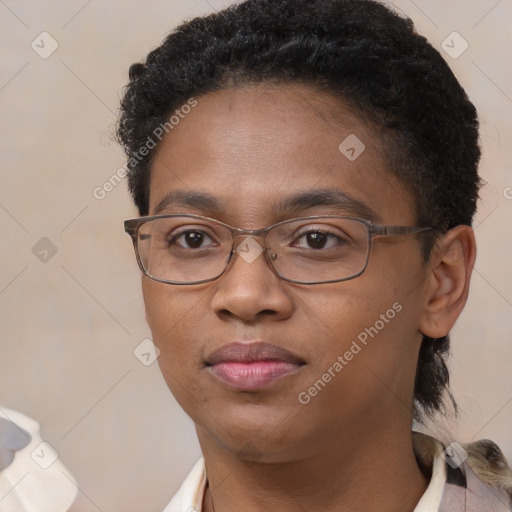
360, 50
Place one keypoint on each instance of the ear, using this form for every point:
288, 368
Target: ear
447, 283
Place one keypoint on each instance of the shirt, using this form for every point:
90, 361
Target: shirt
33, 479
471, 477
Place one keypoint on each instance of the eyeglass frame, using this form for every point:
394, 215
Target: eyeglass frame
132, 226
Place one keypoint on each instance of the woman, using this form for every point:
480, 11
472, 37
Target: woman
303, 345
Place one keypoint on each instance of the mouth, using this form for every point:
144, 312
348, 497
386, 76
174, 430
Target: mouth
252, 366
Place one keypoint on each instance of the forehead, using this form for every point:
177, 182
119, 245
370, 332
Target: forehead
253, 148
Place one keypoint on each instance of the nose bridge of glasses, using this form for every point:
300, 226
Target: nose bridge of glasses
247, 247
241, 236
256, 233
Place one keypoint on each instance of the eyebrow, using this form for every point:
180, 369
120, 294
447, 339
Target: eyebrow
335, 199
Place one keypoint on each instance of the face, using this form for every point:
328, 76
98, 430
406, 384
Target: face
354, 343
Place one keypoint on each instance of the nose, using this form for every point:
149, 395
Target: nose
249, 289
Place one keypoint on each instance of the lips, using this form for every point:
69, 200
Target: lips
252, 366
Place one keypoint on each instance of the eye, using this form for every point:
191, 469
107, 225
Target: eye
322, 238
189, 239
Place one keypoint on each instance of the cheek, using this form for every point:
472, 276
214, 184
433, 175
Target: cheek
349, 308
365, 357
172, 315
371, 322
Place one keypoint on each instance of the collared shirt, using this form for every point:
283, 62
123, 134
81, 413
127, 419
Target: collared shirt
454, 486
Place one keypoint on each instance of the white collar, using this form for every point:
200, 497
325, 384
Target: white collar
189, 497
431, 498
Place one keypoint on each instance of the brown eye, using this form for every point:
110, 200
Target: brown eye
320, 239
316, 239
191, 239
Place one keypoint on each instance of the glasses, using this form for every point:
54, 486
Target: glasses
192, 249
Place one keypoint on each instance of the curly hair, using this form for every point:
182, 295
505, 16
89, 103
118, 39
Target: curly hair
360, 50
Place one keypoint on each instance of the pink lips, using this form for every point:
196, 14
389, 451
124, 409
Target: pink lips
252, 366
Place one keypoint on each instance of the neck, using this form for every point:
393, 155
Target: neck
379, 472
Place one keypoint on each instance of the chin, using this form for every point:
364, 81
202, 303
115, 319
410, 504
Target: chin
256, 435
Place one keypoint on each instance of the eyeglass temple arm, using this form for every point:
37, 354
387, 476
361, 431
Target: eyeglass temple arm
396, 230
130, 228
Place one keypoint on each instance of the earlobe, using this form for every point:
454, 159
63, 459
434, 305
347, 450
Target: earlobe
447, 284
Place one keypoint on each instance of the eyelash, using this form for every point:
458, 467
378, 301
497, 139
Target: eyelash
304, 234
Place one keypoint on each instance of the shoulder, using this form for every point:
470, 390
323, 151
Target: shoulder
489, 464
478, 476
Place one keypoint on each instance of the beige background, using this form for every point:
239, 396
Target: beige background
70, 325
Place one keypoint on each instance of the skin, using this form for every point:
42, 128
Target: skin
265, 450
